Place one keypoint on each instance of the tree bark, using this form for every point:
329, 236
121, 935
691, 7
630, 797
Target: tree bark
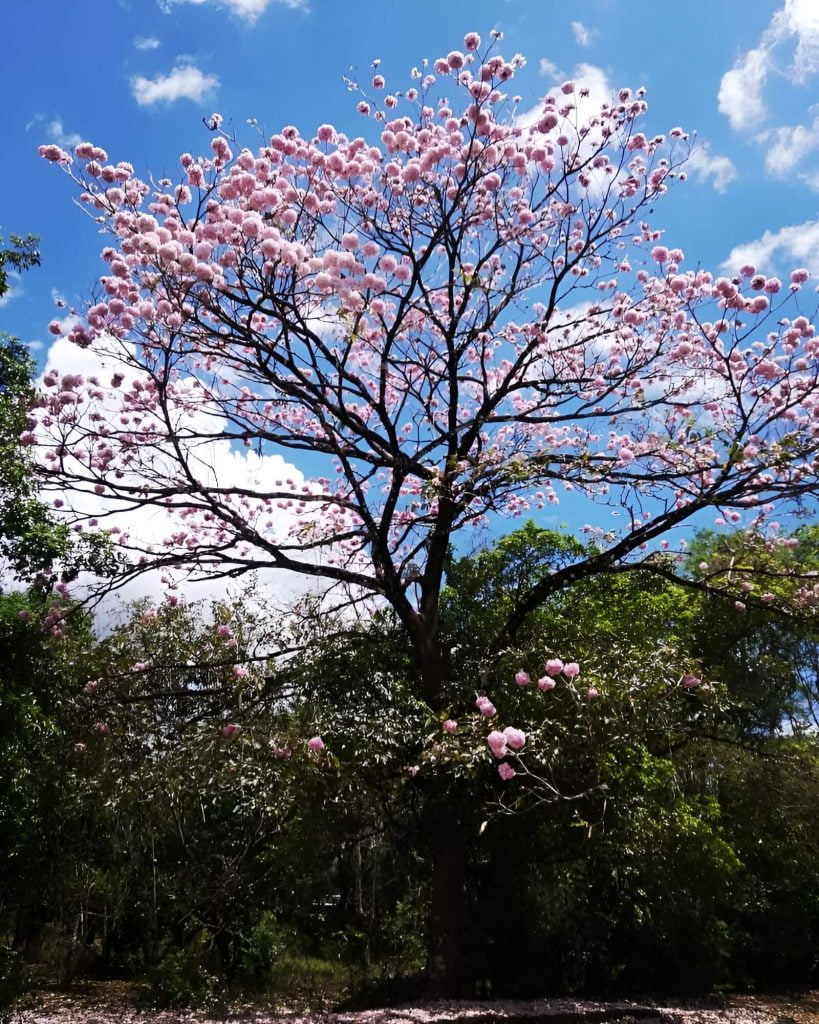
446, 930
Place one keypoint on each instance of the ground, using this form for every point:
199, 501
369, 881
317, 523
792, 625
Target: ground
93, 1007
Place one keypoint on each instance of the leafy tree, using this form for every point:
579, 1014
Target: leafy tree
22, 255
454, 326
30, 539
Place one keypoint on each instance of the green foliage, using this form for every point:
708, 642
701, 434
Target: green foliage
184, 977
664, 837
30, 541
13, 981
22, 255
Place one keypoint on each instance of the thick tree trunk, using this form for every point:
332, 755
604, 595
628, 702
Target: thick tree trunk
447, 972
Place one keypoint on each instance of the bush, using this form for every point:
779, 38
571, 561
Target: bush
13, 981
184, 977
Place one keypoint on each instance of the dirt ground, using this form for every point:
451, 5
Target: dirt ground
102, 1006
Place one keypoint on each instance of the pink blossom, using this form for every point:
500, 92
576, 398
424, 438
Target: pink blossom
103, 728
546, 683
472, 41
54, 154
571, 670
378, 82
690, 680
739, 605
592, 692
799, 276
230, 732
496, 742
522, 678
486, 707
554, 666
315, 744
515, 738
506, 771
450, 725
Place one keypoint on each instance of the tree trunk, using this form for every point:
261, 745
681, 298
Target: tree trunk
447, 973
446, 929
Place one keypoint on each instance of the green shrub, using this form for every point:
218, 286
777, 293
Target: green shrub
185, 977
13, 981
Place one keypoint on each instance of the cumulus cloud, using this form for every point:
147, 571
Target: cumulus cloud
740, 91
583, 35
788, 49
248, 10
585, 76
800, 18
706, 167
52, 129
183, 82
146, 43
788, 145
779, 251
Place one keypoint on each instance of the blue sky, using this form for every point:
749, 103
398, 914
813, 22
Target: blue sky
138, 76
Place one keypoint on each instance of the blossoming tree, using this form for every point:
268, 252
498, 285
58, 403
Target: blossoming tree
452, 317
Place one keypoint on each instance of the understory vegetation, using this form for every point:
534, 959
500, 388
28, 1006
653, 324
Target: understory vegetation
163, 819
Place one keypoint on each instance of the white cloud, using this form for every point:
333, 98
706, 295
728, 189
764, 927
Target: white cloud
706, 166
13, 288
585, 76
740, 91
788, 50
583, 35
779, 251
591, 90
788, 145
146, 43
183, 82
249, 10
800, 18
51, 129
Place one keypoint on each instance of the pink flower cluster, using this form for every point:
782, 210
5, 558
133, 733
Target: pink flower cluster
501, 742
